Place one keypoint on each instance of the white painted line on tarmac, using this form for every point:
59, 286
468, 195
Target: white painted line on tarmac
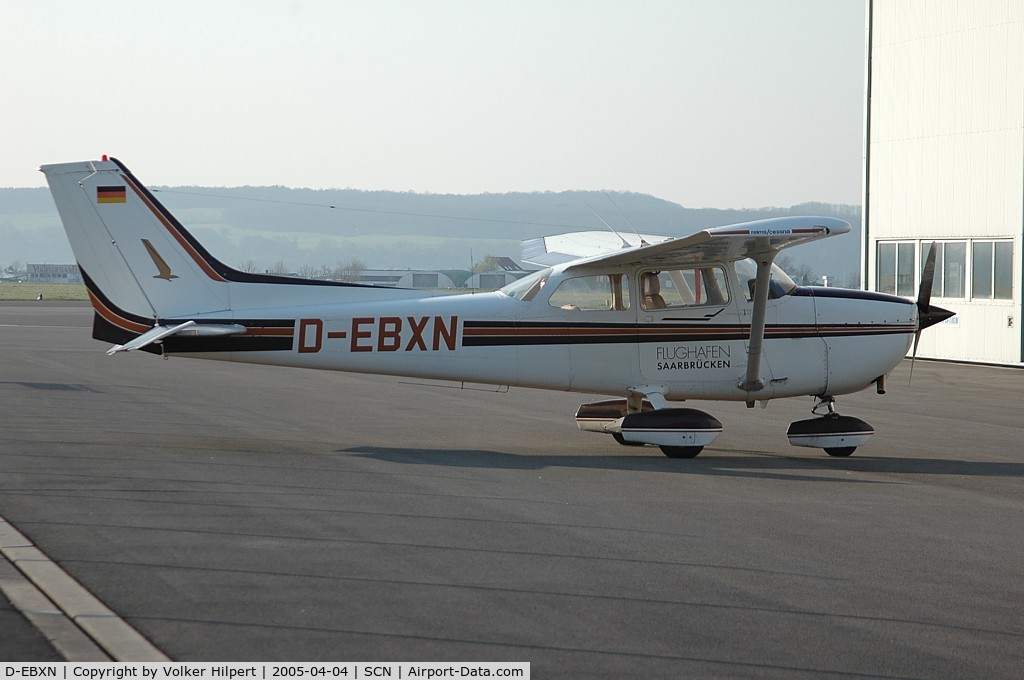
61, 632
80, 627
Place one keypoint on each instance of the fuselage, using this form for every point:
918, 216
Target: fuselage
591, 330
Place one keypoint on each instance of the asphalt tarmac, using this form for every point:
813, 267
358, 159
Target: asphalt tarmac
237, 512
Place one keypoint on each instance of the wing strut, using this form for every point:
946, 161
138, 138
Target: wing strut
752, 381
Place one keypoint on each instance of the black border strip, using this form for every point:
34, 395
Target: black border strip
91, 286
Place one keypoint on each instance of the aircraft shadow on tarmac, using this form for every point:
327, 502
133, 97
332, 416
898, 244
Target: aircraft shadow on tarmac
712, 462
58, 387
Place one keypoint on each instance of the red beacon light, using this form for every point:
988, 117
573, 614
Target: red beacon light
104, 157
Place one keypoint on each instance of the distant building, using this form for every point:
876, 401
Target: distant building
493, 280
507, 272
53, 273
944, 163
404, 278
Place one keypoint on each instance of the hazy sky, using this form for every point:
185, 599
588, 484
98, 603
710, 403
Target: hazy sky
708, 103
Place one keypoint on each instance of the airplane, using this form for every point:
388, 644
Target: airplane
650, 321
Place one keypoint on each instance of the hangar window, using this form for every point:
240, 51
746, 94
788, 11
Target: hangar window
950, 268
601, 292
992, 270
895, 268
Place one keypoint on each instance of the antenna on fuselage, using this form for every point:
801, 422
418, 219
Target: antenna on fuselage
631, 225
625, 243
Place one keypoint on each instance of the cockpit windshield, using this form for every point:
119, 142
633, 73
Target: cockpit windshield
526, 288
781, 285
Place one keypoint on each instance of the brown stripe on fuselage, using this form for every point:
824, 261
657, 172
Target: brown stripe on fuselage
115, 318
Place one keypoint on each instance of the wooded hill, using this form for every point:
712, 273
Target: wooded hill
270, 226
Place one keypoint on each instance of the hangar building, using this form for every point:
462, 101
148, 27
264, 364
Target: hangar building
944, 163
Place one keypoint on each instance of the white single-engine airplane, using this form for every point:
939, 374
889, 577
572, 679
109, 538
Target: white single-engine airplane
649, 319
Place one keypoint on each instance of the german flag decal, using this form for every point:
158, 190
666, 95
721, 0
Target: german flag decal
111, 195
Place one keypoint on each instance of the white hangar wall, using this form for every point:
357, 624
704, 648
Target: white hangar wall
944, 161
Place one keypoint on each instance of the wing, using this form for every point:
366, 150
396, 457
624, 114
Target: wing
719, 244
761, 240
551, 250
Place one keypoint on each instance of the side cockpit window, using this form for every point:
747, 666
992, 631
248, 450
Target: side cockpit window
780, 286
688, 287
526, 288
600, 292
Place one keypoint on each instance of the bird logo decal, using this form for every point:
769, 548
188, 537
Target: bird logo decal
161, 266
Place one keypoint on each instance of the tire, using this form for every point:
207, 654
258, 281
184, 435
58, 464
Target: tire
841, 451
681, 451
617, 436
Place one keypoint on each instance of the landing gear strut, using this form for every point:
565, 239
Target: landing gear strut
829, 403
838, 435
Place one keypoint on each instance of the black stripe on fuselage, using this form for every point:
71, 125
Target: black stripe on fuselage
554, 333
105, 329
227, 343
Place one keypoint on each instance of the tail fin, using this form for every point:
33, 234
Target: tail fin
133, 253
147, 274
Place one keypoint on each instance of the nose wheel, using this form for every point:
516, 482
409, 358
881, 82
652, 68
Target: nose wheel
838, 435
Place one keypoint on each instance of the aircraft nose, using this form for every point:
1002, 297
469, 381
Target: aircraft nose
932, 316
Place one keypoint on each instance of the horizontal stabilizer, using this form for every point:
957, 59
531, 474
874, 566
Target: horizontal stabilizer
158, 333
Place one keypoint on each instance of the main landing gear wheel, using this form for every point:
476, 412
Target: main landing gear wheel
838, 435
681, 451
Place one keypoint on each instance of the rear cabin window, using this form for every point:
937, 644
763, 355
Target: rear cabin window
690, 287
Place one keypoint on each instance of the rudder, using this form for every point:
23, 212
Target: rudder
133, 253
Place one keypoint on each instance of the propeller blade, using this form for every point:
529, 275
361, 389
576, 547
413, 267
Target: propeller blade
926, 314
924, 292
913, 357
924, 302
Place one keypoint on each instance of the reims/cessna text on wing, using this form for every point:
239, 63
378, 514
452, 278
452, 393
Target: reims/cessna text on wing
649, 320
